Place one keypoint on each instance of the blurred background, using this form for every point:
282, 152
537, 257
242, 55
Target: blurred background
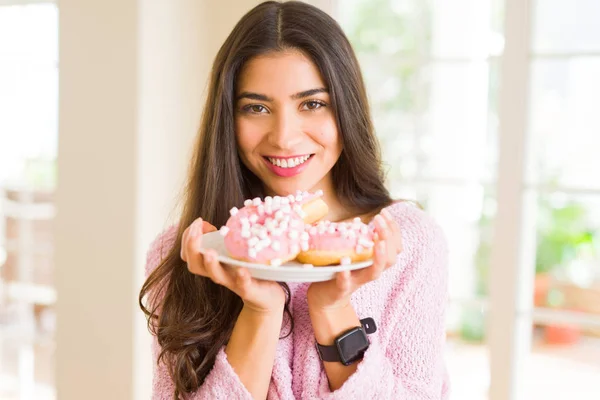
488, 114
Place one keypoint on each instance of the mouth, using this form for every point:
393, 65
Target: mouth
288, 166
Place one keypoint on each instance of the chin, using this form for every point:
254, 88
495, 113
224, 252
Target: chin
290, 186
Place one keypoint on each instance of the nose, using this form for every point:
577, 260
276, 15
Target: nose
286, 131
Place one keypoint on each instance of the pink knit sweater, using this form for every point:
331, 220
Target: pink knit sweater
405, 358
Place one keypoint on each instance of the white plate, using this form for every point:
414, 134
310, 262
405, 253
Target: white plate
288, 272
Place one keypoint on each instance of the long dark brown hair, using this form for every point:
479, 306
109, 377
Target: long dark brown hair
191, 316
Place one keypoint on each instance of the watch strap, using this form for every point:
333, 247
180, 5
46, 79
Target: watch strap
331, 353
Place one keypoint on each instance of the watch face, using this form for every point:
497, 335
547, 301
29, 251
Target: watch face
352, 345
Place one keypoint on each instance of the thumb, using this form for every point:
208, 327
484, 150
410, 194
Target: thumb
208, 227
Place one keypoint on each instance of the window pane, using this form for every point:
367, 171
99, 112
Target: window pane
28, 90
462, 29
564, 122
453, 141
386, 27
561, 26
28, 147
564, 357
568, 252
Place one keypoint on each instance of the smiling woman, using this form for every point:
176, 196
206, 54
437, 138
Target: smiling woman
287, 110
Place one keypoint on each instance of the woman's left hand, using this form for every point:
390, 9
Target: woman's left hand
336, 293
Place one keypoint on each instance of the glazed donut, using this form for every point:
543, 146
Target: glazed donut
338, 243
272, 231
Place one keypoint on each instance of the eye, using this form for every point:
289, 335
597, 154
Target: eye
255, 109
312, 105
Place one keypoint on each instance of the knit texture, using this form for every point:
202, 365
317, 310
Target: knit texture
405, 359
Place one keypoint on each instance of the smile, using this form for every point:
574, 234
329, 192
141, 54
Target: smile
288, 162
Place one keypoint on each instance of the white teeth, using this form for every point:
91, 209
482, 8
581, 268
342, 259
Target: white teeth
289, 163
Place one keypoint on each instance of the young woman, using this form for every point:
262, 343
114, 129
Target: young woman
286, 85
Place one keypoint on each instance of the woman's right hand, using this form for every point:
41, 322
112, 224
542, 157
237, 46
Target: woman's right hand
258, 295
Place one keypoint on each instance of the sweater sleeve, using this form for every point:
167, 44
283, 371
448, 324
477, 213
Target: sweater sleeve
405, 358
222, 382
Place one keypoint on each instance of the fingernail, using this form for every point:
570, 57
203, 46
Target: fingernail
194, 230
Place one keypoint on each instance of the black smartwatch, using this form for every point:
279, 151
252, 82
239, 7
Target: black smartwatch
350, 346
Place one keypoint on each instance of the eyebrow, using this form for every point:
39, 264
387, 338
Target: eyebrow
299, 95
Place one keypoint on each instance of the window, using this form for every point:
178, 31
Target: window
433, 71
28, 143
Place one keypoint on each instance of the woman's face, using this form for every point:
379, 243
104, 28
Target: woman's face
285, 125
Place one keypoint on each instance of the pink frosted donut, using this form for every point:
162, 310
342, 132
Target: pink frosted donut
272, 231
338, 243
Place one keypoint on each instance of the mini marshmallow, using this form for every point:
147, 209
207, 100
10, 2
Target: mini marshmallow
253, 218
275, 245
293, 234
261, 210
248, 203
268, 200
233, 211
295, 249
365, 243
278, 215
291, 198
252, 253
276, 232
252, 241
246, 233
345, 260
359, 249
304, 246
319, 192
256, 201
224, 231
331, 229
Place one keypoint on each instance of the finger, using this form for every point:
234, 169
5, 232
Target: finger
215, 270
242, 279
208, 227
193, 251
381, 227
202, 227
186, 240
391, 222
343, 281
395, 229
373, 272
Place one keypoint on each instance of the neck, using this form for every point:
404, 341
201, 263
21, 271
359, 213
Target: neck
337, 211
